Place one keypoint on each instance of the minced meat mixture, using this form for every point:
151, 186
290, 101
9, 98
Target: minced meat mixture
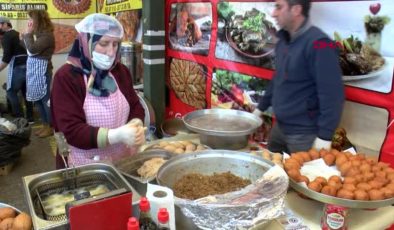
194, 185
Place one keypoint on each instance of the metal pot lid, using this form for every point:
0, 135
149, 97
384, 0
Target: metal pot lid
222, 122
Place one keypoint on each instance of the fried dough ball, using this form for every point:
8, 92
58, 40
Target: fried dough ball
340, 159
390, 186
294, 174
305, 156
336, 179
390, 176
383, 165
315, 186
179, 151
370, 160
290, 165
314, 154
321, 180
375, 194
381, 174
356, 163
376, 168
350, 180
349, 187
335, 152
293, 161
334, 184
278, 162
389, 170
298, 158
360, 156
323, 152
344, 168
375, 184
277, 156
387, 193
360, 178
361, 195
329, 190
368, 176
266, 155
365, 167
329, 159
352, 172
303, 179
364, 186
382, 180
345, 194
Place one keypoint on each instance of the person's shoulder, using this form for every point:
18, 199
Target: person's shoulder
120, 68
11, 35
317, 33
64, 70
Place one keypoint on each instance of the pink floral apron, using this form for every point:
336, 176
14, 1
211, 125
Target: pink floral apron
108, 112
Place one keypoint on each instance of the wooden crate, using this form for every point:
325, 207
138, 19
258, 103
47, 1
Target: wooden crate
6, 169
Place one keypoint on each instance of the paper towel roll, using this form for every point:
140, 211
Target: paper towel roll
161, 197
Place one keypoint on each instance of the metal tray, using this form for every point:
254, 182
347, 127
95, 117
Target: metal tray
339, 201
3, 205
129, 166
222, 122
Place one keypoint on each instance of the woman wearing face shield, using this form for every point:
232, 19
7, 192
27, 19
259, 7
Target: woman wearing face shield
93, 101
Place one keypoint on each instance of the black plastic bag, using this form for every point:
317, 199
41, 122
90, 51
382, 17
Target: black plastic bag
12, 142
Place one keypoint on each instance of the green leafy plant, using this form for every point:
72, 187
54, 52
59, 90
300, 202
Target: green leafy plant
255, 23
225, 10
375, 24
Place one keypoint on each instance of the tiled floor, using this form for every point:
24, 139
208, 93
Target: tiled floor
37, 157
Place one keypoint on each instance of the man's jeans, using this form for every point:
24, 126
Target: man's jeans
18, 83
280, 142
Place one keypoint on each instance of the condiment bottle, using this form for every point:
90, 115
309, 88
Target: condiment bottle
133, 224
162, 217
146, 222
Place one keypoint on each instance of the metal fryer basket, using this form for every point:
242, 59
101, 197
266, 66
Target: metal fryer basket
69, 186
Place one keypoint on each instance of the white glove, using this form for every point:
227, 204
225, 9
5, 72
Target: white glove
127, 134
136, 122
257, 112
321, 144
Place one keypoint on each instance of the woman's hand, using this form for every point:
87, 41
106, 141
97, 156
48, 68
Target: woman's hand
129, 134
30, 27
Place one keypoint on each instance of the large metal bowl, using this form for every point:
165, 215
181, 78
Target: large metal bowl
207, 162
223, 128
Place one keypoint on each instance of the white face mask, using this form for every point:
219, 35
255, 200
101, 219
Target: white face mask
102, 61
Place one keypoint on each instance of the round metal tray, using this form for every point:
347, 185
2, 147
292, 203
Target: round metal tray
339, 201
3, 205
222, 122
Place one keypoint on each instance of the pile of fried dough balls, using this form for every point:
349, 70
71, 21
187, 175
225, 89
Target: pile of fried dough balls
178, 147
363, 178
275, 158
12, 220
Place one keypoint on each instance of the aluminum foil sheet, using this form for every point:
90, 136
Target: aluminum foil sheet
254, 205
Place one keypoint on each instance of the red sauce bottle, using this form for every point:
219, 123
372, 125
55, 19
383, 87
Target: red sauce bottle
133, 224
146, 222
163, 217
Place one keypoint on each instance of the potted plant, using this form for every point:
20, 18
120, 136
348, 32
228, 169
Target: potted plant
374, 26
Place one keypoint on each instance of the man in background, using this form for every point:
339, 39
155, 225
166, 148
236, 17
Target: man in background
14, 56
306, 92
